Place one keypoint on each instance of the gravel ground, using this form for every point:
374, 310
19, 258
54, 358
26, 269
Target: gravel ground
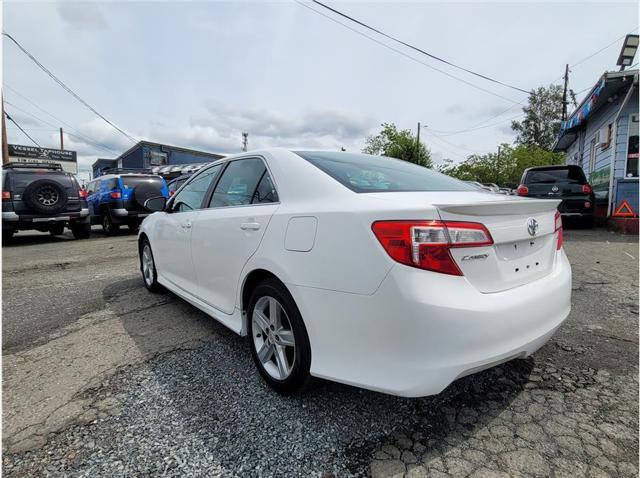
571, 410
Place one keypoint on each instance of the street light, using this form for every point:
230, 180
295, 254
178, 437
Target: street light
629, 48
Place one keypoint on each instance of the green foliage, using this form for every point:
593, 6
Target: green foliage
399, 144
504, 170
543, 114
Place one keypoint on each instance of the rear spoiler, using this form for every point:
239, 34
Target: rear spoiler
507, 207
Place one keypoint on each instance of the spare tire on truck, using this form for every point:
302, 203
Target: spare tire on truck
45, 196
146, 190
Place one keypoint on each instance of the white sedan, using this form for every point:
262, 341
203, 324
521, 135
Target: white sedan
365, 270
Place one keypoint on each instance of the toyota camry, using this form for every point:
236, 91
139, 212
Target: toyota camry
361, 269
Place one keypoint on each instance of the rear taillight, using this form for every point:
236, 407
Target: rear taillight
523, 190
6, 195
558, 222
587, 189
426, 244
82, 193
116, 195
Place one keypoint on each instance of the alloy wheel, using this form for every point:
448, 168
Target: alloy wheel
273, 338
47, 196
147, 265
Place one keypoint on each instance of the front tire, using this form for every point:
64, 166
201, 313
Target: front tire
279, 342
148, 267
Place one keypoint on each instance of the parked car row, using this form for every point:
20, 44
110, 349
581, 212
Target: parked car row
43, 197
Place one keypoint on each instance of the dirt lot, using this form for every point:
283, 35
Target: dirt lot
102, 378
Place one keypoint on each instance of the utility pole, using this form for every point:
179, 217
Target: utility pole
498, 164
418, 142
245, 141
61, 140
5, 144
564, 93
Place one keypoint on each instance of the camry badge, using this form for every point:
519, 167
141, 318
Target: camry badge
532, 226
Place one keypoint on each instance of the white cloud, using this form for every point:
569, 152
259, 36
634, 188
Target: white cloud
82, 15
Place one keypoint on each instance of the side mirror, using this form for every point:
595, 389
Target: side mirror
155, 204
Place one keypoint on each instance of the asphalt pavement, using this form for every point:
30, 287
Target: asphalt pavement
102, 378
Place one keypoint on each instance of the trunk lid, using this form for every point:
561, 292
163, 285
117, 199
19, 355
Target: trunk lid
516, 257
524, 237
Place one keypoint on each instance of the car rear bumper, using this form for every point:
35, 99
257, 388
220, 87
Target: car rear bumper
422, 330
125, 215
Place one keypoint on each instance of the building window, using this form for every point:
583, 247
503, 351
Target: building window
592, 155
157, 158
631, 169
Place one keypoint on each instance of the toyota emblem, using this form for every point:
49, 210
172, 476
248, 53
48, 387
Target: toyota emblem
532, 226
554, 189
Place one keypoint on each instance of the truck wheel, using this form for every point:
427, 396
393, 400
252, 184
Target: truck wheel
108, 226
81, 230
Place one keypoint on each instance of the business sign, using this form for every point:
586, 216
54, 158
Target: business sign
32, 154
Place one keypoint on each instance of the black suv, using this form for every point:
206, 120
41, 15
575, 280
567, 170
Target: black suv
561, 182
42, 197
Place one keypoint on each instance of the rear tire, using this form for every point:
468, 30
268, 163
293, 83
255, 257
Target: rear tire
134, 227
81, 230
108, 225
148, 267
278, 338
57, 230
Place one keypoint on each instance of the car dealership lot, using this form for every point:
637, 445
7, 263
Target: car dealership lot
103, 378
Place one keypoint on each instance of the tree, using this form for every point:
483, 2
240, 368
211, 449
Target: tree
506, 169
543, 114
400, 144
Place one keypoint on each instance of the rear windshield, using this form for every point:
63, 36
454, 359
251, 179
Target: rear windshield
363, 173
556, 175
130, 182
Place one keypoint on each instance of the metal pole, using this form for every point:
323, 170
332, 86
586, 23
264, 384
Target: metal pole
61, 140
418, 143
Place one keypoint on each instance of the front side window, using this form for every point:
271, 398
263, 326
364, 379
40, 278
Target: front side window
191, 196
363, 173
245, 181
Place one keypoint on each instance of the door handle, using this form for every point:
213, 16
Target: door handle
252, 226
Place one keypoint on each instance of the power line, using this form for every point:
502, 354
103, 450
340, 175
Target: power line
65, 87
80, 137
419, 50
78, 133
400, 52
601, 49
20, 128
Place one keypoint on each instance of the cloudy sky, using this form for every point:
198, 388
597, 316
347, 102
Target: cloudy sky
197, 74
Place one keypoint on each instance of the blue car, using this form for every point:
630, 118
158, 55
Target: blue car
118, 199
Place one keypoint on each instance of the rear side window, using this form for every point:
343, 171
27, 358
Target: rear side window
130, 182
363, 173
556, 175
